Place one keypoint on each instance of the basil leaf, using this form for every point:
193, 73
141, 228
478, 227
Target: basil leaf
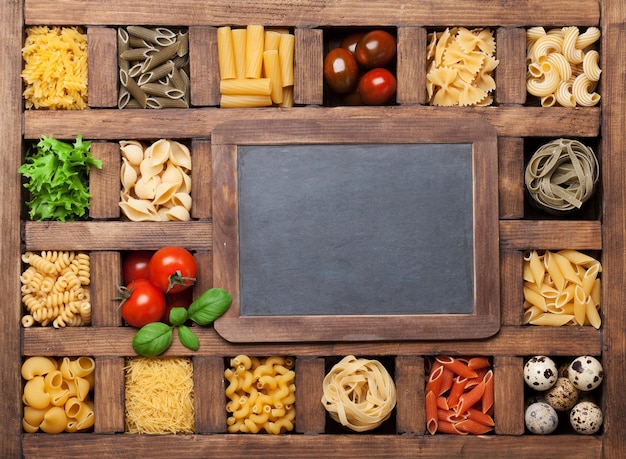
209, 306
152, 339
188, 338
178, 316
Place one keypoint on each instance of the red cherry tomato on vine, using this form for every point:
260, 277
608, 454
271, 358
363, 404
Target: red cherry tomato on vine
172, 269
376, 49
340, 70
142, 303
176, 300
377, 87
135, 265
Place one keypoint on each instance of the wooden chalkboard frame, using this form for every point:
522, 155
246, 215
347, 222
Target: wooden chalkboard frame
482, 323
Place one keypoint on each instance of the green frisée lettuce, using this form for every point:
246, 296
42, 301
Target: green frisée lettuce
57, 176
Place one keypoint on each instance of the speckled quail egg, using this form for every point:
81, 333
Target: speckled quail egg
536, 397
586, 372
541, 418
586, 418
540, 372
563, 395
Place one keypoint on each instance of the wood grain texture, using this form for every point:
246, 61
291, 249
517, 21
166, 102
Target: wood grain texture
104, 183
209, 400
308, 67
511, 177
310, 413
102, 71
201, 169
312, 13
409, 378
203, 66
411, 66
510, 75
509, 395
513, 121
109, 401
550, 234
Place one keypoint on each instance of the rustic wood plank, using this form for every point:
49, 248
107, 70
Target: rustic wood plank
511, 293
409, 379
106, 274
109, 395
614, 224
204, 277
312, 13
201, 169
209, 399
510, 74
11, 36
102, 66
527, 340
203, 66
509, 395
107, 235
310, 413
308, 67
512, 121
104, 184
511, 177
313, 446
411, 65
550, 234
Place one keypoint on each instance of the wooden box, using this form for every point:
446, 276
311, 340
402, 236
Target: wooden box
104, 236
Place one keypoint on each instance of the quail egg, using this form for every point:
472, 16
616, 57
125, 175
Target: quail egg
586, 372
563, 395
541, 418
586, 418
540, 372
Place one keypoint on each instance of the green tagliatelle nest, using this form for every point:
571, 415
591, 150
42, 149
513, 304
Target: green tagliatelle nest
561, 175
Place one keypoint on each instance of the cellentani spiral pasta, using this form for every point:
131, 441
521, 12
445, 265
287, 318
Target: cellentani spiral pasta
56, 394
55, 288
359, 393
156, 181
261, 394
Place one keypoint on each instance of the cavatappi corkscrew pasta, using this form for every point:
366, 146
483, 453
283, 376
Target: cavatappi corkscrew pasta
261, 394
56, 394
359, 393
55, 288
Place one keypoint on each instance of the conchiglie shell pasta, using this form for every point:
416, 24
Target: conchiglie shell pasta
132, 150
178, 213
128, 175
164, 192
180, 155
172, 174
158, 153
145, 188
148, 169
139, 210
182, 199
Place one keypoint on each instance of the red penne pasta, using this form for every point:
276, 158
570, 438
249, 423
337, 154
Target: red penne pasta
442, 403
487, 401
447, 380
457, 366
480, 374
479, 416
433, 383
477, 363
446, 427
473, 427
456, 391
432, 421
449, 415
470, 398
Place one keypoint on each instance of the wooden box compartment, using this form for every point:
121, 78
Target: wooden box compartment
597, 229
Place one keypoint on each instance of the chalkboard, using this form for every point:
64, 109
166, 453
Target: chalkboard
356, 230
380, 229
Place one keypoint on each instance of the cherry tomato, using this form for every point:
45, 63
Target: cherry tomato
135, 265
340, 70
377, 86
172, 269
351, 40
176, 300
142, 303
376, 49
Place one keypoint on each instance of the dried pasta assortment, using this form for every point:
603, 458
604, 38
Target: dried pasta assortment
561, 175
256, 66
561, 288
459, 395
55, 288
55, 68
460, 63
563, 66
154, 67
261, 394
359, 393
57, 394
156, 181
159, 395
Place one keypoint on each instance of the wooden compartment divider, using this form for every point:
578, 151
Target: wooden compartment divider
105, 237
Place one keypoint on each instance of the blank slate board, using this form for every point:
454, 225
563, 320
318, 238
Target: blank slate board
356, 230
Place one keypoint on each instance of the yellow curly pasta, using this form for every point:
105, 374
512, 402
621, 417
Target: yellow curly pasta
563, 66
55, 288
